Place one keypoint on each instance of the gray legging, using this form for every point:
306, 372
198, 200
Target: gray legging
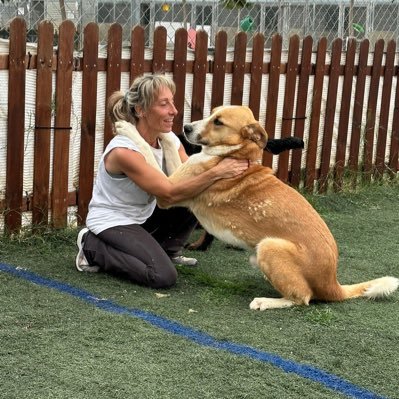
142, 253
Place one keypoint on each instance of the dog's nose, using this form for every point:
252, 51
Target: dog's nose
188, 129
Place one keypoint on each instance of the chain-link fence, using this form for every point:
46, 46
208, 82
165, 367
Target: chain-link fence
372, 19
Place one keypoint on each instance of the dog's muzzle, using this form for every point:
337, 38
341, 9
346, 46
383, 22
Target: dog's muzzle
191, 135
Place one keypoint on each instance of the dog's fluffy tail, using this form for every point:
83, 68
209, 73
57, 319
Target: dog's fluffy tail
378, 288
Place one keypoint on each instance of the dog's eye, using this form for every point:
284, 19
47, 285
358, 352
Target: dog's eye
218, 122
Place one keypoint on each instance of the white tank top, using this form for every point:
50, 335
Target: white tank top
116, 199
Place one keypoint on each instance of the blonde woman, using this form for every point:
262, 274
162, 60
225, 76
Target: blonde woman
127, 234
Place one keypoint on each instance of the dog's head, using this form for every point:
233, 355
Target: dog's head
227, 129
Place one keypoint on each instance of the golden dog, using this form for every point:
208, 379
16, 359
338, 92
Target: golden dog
295, 250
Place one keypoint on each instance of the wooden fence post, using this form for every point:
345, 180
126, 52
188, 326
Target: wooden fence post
219, 69
88, 127
200, 68
272, 93
15, 126
301, 102
136, 53
240, 52
371, 111
288, 107
179, 77
344, 114
41, 167
311, 153
159, 50
114, 66
384, 110
63, 102
335, 64
394, 150
354, 149
255, 87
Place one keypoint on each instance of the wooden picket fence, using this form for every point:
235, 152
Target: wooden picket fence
297, 73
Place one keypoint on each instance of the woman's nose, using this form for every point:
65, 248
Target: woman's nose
173, 109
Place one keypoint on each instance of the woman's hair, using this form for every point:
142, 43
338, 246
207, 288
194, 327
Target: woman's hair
142, 93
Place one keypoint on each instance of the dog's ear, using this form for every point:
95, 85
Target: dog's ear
216, 109
256, 133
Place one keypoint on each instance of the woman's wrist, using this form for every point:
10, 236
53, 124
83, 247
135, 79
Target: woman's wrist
213, 175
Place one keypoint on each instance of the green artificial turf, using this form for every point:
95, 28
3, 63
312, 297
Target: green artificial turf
54, 345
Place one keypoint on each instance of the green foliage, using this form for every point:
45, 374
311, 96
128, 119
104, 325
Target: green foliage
234, 4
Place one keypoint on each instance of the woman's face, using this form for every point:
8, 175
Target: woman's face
159, 117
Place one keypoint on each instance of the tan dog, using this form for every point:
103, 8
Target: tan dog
294, 248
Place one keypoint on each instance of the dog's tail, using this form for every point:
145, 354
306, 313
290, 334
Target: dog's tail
373, 289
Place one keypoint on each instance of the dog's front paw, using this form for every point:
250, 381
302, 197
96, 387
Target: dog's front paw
270, 303
258, 304
253, 261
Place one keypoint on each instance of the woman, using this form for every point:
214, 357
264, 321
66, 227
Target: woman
127, 234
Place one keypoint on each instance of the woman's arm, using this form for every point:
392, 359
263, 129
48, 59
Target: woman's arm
133, 165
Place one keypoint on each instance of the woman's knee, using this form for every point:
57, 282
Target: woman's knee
164, 279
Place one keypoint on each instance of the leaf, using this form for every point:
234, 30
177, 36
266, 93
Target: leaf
159, 295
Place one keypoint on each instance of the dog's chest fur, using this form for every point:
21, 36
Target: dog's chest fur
226, 235
227, 211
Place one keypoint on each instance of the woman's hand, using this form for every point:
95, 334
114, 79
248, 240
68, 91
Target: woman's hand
230, 167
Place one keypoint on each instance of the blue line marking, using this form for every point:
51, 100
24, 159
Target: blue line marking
330, 381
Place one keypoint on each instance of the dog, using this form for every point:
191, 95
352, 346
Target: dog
273, 146
295, 250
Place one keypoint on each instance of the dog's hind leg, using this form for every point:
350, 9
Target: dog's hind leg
280, 261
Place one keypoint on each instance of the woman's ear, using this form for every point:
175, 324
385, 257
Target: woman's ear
138, 111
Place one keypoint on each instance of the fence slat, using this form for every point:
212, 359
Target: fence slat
330, 114
63, 102
219, 69
15, 126
394, 150
315, 116
199, 75
179, 77
41, 167
240, 52
272, 93
300, 114
344, 113
371, 110
114, 64
137, 40
255, 86
384, 109
159, 54
288, 107
88, 128
354, 149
